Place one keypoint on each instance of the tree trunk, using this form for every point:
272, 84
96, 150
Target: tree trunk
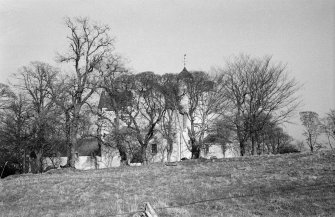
68, 141
242, 148
144, 154
223, 149
38, 161
24, 161
119, 141
258, 144
252, 146
206, 150
123, 156
73, 139
278, 146
170, 149
311, 143
195, 152
170, 134
195, 148
263, 145
259, 149
169, 156
240, 134
72, 153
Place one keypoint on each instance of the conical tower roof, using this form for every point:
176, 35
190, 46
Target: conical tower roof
184, 70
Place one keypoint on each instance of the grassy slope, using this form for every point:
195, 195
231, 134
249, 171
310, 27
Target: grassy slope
290, 185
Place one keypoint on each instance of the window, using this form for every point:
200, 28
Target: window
153, 149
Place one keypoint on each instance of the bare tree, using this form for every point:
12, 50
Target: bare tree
146, 109
36, 80
300, 145
6, 95
170, 88
115, 97
257, 89
169, 131
61, 96
274, 140
220, 134
203, 102
15, 131
89, 45
310, 120
328, 126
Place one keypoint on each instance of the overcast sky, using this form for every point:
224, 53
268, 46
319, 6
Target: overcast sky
154, 35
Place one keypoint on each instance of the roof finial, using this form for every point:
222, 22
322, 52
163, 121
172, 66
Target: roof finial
184, 69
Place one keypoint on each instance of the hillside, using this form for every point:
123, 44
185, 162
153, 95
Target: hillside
286, 185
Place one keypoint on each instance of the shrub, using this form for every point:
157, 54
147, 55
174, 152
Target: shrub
288, 149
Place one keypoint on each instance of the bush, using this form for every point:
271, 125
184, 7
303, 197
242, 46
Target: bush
288, 149
9, 169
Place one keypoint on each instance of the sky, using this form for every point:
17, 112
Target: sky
154, 35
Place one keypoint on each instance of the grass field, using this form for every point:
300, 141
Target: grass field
286, 185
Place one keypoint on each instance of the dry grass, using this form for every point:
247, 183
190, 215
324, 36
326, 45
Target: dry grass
287, 185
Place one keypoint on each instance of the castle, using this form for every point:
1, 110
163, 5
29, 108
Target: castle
92, 154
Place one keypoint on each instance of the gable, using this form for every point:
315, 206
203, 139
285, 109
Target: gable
104, 100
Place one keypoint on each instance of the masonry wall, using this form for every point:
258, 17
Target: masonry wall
110, 156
